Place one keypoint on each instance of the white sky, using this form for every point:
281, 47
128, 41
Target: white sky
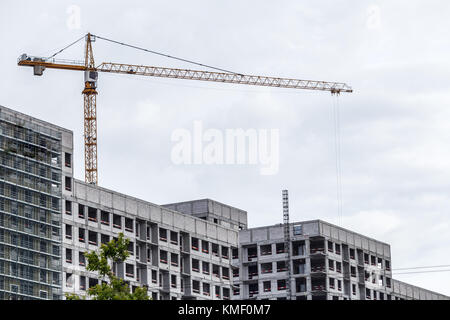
394, 127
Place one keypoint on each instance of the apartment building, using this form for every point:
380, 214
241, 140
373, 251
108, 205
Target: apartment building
189, 250
326, 262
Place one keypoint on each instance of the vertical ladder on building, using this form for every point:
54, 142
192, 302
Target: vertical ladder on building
287, 242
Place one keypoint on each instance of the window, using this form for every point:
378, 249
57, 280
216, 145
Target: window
252, 289
82, 283
266, 250
163, 256
236, 273
215, 249
330, 246
195, 265
68, 183
373, 260
281, 266
173, 237
194, 244
339, 267
217, 290
337, 247
331, 283
162, 234
266, 268
354, 289
68, 231
68, 255
129, 270
216, 270
81, 234
206, 289
380, 263
366, 258
104, 218
387, 265
81, 211
174, 259
129, 224
67, 159
353, 272
226, 293
131, 248
352, 253
117, 221
104, 239
224, 252
330, 264
81, 259
297, 230
195, 286
68, 207
281, 284
225, 273
205, 246
154, 276
267, 286
173, 281
280, 248
252, 271
235, 253
92, 214
205, 267
93, 238
69, 280
251, 252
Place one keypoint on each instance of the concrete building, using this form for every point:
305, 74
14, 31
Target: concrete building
327, 263
198, 249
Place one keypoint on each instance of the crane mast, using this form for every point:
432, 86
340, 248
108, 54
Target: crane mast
90, 115
287, 241
90, 93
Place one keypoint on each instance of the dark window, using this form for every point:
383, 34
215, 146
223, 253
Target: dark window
68, 255
205, 246
68, 183
163, 256
173, 237
117, 221
81, 234
129, 270
81, 259
92, 214
93, 238
281, 284
163, 234
68, 231
129, 224
68, 207
81, 211
266, 250
67, 159
104, 216
194, 244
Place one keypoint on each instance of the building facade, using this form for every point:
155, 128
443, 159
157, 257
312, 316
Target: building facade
189, 250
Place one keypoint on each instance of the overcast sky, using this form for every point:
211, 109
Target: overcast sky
395, 137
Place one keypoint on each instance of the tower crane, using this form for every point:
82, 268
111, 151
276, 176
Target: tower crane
91, 71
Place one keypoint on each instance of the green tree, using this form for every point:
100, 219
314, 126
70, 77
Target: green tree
115, 288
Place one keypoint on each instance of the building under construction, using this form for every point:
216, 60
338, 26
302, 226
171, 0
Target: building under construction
199, 249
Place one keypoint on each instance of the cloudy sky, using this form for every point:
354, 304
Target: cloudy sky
394, 127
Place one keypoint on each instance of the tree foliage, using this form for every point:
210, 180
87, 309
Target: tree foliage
111, 287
